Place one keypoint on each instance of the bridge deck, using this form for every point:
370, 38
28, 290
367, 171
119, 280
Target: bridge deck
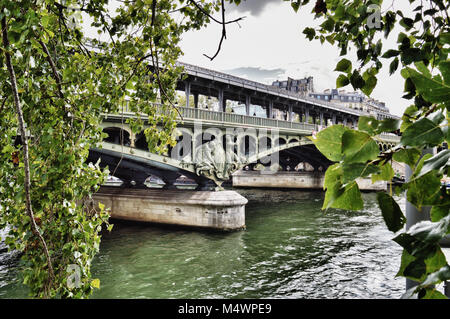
191, 116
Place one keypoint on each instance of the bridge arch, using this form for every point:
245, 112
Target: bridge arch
140, 141
183, 148
117, 135
293, 140
280, 141
264, 142
247, 145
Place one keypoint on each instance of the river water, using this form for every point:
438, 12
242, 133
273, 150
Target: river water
290, 249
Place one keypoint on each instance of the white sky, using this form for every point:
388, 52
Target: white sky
269, 45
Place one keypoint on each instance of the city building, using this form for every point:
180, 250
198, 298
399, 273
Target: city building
354, 100
301, 86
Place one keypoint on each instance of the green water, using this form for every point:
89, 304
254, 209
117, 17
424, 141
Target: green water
290, 249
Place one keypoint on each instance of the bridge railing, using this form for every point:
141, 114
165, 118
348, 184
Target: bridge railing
214, 116
389, 137
189, 113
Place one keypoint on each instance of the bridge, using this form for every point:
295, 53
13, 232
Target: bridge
213, 145
202, 81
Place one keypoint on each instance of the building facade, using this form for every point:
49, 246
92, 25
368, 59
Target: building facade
354, 100
301, 86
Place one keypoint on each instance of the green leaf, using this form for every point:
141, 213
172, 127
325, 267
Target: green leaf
95, 283
373, 127
329, 141
432, 89
369, 84
328, 24
430, 232
356, 80
405, 261
444, 38
350, 199
310, 33
343, 197
342, 81
353, 171
333, 175
392, 214
416, 269
444, 67
389, 125
432, 293
295, 5
368, 125
422, 132
438, 276
386, 174
339, 195
424, 190
393, 66
437, 162
409, 156
358, 147
390, 53
45, 21
411, 55
439, 212
8, 149
344, 66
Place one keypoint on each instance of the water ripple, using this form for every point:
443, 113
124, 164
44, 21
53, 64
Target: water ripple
291, 249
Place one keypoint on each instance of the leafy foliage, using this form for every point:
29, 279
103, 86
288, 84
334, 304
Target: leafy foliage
422, 51
65, 86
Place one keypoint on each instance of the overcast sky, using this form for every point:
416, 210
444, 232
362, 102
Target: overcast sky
269, 45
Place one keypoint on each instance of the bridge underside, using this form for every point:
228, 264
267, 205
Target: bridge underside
134, 171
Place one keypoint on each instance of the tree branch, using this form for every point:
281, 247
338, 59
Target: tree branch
155, 61
223, 23
53, 66
20, 117
224, 34
214, 19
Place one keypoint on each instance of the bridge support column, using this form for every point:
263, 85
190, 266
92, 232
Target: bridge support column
223, 210
187, 90
269, 110
247, 105
196, 100
221, 101
345, 121
333, 119
321, 118
290, 114
355, 122
306, 116
295, 179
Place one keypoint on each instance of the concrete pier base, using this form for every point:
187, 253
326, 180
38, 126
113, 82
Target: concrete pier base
299, 180
223, 210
